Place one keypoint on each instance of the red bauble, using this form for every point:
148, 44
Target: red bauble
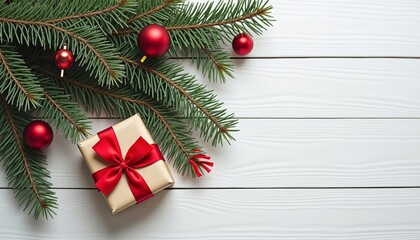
64, 59
153, 40
242, 44
38, 135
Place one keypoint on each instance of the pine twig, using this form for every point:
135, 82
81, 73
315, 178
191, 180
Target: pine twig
163, 5
258, 12
59, 110
179, 89
119, 4
67, 32
24, 166
19, 85
134, 101
166, 81
22, 153
215, 64
9, 71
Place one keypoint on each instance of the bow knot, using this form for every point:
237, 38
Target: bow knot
139, 155
124, 166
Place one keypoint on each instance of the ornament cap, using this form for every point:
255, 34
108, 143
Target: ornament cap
143, 59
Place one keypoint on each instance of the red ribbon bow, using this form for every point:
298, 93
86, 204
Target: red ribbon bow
140, 154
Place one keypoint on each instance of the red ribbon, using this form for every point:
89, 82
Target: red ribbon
140, 154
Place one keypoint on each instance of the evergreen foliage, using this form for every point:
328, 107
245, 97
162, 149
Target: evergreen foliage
108, 79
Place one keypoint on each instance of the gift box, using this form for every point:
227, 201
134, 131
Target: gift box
126, 164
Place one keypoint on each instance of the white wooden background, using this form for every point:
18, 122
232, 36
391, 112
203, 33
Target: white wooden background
329, 147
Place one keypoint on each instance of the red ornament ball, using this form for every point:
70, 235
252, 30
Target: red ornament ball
64, 59
242, 44
153, 40
38, 135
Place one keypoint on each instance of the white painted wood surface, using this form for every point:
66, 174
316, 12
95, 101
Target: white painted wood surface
329, 148
348, 214
342, 28
320, 88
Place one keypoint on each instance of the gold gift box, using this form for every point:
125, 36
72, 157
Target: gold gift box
156, 175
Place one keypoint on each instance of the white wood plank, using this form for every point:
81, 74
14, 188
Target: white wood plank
322, 88
348, 214
341, 28
287, 153
319, 88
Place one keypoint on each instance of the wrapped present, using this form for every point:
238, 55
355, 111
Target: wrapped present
126, 165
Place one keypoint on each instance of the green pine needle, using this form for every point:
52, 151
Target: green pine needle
214, 63
166, 81
25, 168
64, 114
89, 44
18, 84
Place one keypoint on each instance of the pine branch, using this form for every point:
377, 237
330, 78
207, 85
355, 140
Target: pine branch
198, 29
64, 114
148, 12
166, 81
89, 13
25, 168
18, 84
148, 8
92, 50
209, 25
206, 22
170, 132
215, 64
106, 14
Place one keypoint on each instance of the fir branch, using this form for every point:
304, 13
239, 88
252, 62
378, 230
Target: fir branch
170, 132
121, 32
108, 70
157, 8
64, 114
19, 85
117, 5
180, 90
219, 66
132, 101
106, 14
24, 166
215, 64
22, 154
258, 12
253, 14
13, 77
148, 12
210, 24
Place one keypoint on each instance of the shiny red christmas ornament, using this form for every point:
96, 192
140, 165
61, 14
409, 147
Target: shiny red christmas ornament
242, 44
64, 59
154, 41
38, 135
